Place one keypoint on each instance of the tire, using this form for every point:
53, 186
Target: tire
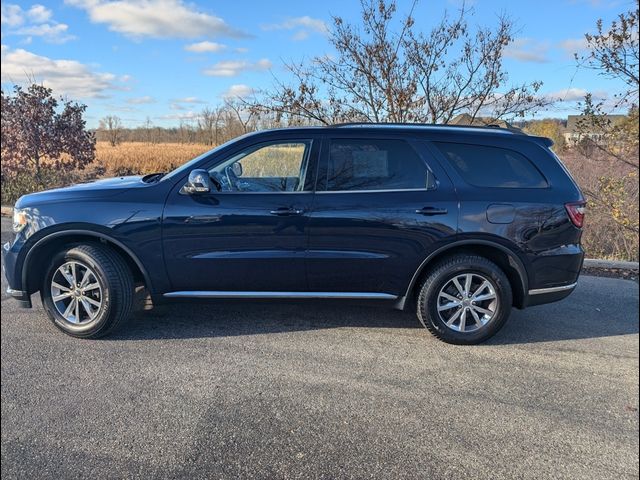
104, 297
484, 311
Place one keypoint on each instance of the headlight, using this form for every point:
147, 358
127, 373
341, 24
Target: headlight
20, 219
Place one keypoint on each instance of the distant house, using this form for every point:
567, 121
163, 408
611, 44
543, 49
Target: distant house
466, 119
578, 129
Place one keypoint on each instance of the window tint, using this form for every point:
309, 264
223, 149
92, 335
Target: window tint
273, 167
375, 165
492, 167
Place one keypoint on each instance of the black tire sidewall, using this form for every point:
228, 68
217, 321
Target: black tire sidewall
443, 275
102, 319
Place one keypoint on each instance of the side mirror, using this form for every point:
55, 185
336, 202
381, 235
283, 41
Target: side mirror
199, 182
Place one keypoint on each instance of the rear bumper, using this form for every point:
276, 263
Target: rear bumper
541, 296
23, 298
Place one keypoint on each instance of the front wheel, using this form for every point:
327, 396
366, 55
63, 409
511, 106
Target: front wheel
87, 291
465, 300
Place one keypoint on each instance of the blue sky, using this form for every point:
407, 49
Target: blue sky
168, 59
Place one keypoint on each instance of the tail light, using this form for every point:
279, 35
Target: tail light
576, 213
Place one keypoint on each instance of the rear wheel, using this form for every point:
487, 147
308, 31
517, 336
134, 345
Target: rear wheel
87, 291
465, 299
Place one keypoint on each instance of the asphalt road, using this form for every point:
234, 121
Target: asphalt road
321, 391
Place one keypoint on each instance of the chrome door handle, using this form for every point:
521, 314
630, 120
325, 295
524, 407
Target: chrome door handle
428, 211
284, 212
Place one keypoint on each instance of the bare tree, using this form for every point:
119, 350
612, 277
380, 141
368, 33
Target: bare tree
239, 110
209, 124
38, 136
613, 52
386, 74
112, 125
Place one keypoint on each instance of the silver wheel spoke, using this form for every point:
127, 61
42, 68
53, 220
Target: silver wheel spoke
484, 311
448, 306
463, 320
454, 318
92, 302
467, 283
449, 297
67, 276
480, 289
85, 277
77, 312
62, 288
87, 308
62, 296
93, 286
476, 318
73, 273
67, 312
459, 287
482, 298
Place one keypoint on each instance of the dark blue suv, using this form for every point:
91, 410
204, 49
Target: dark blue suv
459, 223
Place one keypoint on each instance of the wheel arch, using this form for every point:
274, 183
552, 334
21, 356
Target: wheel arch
503, 256
35, 260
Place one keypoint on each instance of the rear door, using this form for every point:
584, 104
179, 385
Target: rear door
381, 206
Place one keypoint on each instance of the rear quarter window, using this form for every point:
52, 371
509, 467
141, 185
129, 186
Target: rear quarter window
493, 167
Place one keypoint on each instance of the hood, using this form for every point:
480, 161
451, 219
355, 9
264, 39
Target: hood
99, 189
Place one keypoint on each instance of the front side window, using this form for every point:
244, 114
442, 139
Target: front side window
367, 164
271, 167
483, 166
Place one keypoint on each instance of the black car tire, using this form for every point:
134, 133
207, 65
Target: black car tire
115, 286
442, 274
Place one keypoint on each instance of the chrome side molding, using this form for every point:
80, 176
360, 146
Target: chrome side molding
540, 291
283, 295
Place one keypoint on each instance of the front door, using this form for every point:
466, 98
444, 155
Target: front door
251, 234
381, 207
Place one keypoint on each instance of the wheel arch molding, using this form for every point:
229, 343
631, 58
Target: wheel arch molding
73, 236
514, 266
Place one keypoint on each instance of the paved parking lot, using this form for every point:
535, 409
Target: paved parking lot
323, 391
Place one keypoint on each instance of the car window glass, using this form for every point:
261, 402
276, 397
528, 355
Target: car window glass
273, 167
368, 164
484, 166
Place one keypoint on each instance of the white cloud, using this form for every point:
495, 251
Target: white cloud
571, 46
65, 77
232, 68
12, 15
305, 25
141, 100
313, 24
39, 14
35, 22
576, 95
527, 50
204, 47
239, 90
155, 18
189, 100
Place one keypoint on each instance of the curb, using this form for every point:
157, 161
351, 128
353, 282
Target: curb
619, 265
7, 211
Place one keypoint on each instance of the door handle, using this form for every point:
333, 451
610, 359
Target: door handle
285, 212
432, 211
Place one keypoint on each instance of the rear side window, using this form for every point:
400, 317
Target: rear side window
495, 167
369, 164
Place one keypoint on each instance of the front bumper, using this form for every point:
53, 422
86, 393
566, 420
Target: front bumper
9, 260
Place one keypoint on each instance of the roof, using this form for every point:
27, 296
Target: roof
574, 120
427, 127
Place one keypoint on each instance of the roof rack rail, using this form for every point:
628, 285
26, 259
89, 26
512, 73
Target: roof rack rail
514, 130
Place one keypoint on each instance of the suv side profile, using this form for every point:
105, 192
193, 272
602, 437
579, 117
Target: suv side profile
459, 223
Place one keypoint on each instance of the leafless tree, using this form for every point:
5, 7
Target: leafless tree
112, 125
386, 74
